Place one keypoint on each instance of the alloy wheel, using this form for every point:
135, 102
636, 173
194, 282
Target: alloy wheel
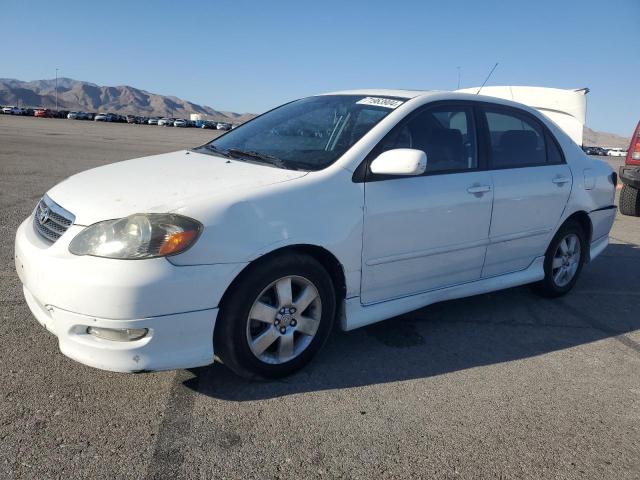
284, 319
566, 260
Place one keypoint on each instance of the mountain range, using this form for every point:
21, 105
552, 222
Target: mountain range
75, 95
603, 139
89, 97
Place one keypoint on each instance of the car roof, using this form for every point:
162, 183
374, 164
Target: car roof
434, 95
383, 92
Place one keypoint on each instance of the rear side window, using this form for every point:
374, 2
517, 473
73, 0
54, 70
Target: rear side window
553, 151
516, 140
445, 134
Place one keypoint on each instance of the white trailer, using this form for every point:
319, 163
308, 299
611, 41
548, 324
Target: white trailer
567, 108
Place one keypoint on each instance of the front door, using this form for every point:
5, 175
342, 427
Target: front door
431, 231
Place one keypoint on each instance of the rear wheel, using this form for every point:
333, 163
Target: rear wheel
629, 201
276, 318
563, 261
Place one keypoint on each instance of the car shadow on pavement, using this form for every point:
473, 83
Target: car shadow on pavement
460, 334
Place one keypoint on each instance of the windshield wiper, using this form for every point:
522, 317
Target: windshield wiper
261, 157
208, 146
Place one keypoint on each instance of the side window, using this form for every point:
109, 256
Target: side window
445, 134
515, 140
554, 156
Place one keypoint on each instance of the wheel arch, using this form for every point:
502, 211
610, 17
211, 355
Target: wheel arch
327, 259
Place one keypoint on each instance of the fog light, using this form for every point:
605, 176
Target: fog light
118, 334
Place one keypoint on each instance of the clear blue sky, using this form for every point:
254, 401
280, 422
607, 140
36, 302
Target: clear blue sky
248, 56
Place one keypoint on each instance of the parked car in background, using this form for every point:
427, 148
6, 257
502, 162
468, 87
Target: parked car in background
181, 122
142, 120
617, 152
223, 126
103, 117
590, 150
166, 122
42, 113
131, 118
28, 112
143, 270
630, 177
209, 124
74, 116
12, 110
153, 121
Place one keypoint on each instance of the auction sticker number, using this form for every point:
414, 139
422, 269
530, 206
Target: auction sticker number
380, 102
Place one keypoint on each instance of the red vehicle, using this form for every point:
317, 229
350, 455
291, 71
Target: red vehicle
630, 177
42, 113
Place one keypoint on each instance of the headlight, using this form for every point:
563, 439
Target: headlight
137, 236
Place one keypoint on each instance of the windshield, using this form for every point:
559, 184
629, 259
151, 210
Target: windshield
308, 134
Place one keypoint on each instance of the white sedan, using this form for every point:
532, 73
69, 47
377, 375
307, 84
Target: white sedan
12, 110
617, 152
346, 208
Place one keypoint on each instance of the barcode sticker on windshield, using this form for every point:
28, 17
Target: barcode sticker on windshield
380, 102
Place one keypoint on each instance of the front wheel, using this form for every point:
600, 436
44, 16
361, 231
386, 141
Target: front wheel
276, 317
563, 261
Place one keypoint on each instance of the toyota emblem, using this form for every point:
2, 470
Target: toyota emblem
43, 216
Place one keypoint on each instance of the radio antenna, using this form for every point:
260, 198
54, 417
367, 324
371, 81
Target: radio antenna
487, 79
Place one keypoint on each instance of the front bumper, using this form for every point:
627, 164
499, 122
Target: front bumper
181, 340
630, 175
68, 293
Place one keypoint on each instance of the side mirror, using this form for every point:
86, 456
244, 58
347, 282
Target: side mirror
400, 161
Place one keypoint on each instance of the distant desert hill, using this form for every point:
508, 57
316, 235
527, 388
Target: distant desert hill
592, 138
89, 97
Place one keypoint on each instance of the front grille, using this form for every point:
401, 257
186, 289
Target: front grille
51, 220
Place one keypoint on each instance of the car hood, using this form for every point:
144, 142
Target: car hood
159, 183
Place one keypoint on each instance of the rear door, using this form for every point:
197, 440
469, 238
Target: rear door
531, 184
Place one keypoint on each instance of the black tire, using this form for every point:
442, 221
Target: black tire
629, 201
548, 286
230, 339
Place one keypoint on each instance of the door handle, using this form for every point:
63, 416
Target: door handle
479, 189
561, 180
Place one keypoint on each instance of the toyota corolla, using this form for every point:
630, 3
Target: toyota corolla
345, 208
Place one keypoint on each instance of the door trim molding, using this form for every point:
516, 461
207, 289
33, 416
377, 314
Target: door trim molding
518, 235
455, 248
426, 253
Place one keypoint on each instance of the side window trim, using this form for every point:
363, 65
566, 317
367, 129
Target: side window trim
482, 137
362, 173
547, 136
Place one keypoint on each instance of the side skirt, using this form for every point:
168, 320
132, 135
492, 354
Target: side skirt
598, 246
358, 315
